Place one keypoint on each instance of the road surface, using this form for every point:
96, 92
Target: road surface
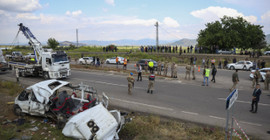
178, 98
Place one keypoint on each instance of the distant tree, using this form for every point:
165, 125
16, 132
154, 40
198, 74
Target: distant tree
232, 32
52, 43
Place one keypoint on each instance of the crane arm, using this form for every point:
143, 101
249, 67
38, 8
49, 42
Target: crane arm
38, 49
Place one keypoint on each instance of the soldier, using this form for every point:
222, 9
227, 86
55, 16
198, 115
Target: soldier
235, 80
172, 70
159, 68
188, 68
256, 77
17, 74
151, 83
267, 80
130, 79
193, 72
165, 68
175, 71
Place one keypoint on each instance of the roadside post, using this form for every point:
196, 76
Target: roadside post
229, 106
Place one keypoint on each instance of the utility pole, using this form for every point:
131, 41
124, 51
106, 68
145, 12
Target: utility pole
156, 34
77, 38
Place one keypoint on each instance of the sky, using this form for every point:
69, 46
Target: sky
106, 20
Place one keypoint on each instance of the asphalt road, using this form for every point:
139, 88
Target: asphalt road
179, 98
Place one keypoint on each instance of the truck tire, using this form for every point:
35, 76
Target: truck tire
46, 75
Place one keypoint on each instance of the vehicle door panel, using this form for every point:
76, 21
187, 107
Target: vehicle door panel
36, 107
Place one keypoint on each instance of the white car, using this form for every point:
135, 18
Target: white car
262, 72
240, 65
267, 53
113, 60
85, 60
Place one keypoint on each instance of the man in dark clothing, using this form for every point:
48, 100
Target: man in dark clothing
255, 98
234, 60
263, 64
214, 72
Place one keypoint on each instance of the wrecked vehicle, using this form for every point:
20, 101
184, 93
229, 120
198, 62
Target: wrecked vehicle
59, 101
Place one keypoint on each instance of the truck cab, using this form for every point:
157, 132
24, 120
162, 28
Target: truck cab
55, 65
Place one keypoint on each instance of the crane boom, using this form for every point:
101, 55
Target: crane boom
38, 49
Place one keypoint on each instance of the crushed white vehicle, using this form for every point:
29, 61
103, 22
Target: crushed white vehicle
84, 117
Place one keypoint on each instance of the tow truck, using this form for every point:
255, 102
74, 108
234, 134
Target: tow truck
48, 64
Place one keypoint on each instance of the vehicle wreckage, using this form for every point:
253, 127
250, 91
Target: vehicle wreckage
84, 117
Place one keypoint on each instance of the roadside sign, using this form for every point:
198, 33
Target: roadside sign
231, 99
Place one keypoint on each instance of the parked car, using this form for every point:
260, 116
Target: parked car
267, 53
113, 60
85, 60
262, 72
240, 65
225, 52
144, 62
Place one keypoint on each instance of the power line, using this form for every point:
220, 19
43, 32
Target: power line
170, 33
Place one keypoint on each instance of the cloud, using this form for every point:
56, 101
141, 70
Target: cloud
122, 20
265, 21
110, 2
19, 5
170, 22
28, 16
74, 13
215, 13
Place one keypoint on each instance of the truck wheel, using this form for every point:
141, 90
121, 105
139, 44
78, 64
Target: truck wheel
17, 110
46, 75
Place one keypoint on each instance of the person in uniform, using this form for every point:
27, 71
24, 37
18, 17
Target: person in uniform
116, 60
151, 83
256, 77
159, 68
172, 70
165, 68
255, 98
130, 79
151, 66
206, 76
175, 71
266, 81
17, 74
188, 69
193, 72
235, 80
125, 64
214, 72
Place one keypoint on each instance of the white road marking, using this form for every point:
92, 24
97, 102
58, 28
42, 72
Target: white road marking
217, 117
107, 83
191, 113
246, 102
137, 103
256, 124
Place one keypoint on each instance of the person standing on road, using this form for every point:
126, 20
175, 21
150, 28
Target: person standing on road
267, 80
188, 68
193, 72
263, 64
117, 61
256, 77
235, 80
159, 68
125, 64
139, 70
17, 73
206, 76
165, 68
172, 70
255, 98
130, 79
214, 72
151, 83
203, 63
151, 66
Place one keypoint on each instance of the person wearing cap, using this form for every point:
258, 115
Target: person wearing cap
130, 79
151, 83
256, 77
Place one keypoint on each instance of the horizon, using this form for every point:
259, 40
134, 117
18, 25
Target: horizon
113, 20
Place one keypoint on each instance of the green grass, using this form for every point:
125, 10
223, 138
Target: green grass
11, 88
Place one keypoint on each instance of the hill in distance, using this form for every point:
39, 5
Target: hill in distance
185, 42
